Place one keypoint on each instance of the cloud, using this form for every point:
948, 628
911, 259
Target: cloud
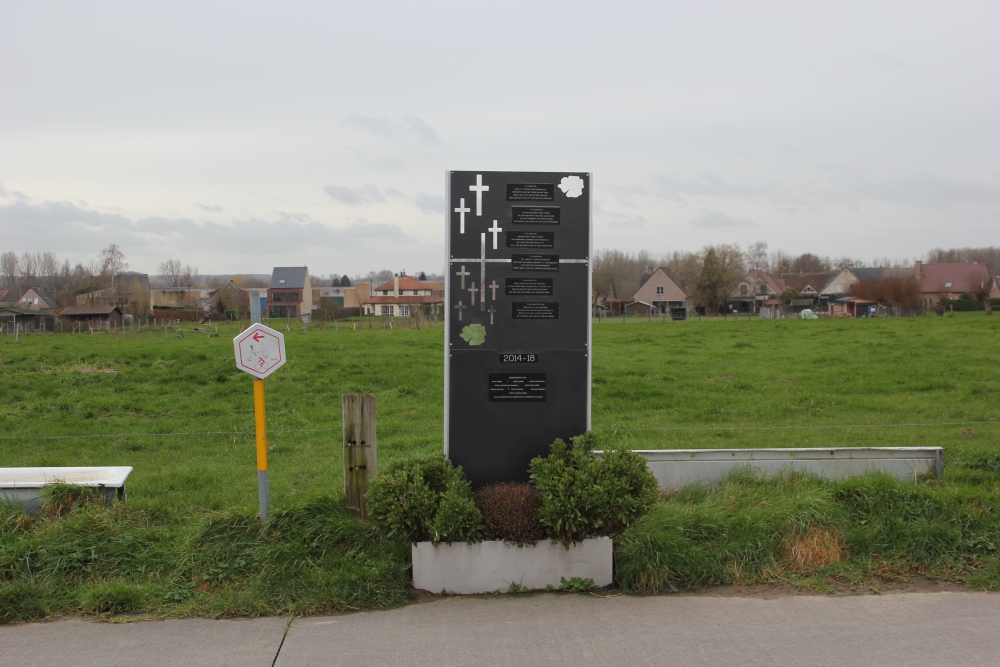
77, 232
720, 220
429, 204
406, 129
210, 209
366, 194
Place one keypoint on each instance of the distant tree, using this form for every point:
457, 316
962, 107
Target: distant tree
722, 269
756, 256
981, 289
422, 276
173, 273
990, 255
780, 262
901, 292
112, 261
345, 281
810, 263
10, 267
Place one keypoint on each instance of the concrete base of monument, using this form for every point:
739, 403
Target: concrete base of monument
486, 567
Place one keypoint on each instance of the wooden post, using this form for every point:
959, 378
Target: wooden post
360, 450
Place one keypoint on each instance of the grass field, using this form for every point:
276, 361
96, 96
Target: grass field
178, 411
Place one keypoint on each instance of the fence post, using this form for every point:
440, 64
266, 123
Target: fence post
360, 450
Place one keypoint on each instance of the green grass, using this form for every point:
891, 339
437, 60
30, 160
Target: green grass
179, 412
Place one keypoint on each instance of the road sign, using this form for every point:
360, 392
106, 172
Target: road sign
259, 351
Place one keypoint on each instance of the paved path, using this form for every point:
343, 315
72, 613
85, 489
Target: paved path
573, 630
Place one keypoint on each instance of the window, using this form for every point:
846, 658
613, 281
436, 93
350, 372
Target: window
386, 310
385, 292
840, 287
743, 290
659, 291
946, 285
404, 311
416, 292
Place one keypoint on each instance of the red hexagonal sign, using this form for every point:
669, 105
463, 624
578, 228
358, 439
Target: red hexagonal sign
259, 350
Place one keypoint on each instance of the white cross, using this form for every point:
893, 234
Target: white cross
493, 286
461, 274
479, 189
462, 210
496, 230
460, 308
472, 290
491, 311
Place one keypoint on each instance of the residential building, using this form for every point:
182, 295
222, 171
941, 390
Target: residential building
230, 299
402, 296
36, 299
755, 288
290, 294
662, 291
950, 281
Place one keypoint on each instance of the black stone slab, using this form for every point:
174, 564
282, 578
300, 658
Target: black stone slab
517, 364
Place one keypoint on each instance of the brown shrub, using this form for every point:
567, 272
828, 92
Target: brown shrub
817, 548
510, 513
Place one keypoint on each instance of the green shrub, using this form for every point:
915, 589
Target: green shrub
581, 496
426, 498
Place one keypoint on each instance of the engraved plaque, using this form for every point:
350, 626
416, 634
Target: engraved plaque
534, 310
528, 286
535, 215
536, 240
534, 262
531, 192
517, 386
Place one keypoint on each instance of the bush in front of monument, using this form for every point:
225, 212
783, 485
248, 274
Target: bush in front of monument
424, 499
583, 496
510, 513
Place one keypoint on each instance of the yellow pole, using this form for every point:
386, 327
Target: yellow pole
264, 495
261, 419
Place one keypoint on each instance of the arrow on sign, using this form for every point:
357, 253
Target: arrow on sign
257, 337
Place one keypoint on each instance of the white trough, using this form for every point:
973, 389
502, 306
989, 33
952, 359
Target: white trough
22, 486
493, 566
676, 468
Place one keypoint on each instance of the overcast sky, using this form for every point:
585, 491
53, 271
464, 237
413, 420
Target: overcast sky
239, 136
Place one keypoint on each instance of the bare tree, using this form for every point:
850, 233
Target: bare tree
29, 270
173, 273
810, 263
112, 261
756, 256
10, 267
981, 288
781, 262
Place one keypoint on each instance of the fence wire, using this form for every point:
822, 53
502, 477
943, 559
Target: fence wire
380, 429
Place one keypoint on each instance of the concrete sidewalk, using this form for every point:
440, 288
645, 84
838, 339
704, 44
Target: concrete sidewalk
573, 630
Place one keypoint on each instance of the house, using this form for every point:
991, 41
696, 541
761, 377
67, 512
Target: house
36, 299
230, 299
949, 281
25, 319
96, 317
663, 291
402, 296
751, 292
290, 294
807, 285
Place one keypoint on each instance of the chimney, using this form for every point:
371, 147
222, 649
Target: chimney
917, 269
395, 284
